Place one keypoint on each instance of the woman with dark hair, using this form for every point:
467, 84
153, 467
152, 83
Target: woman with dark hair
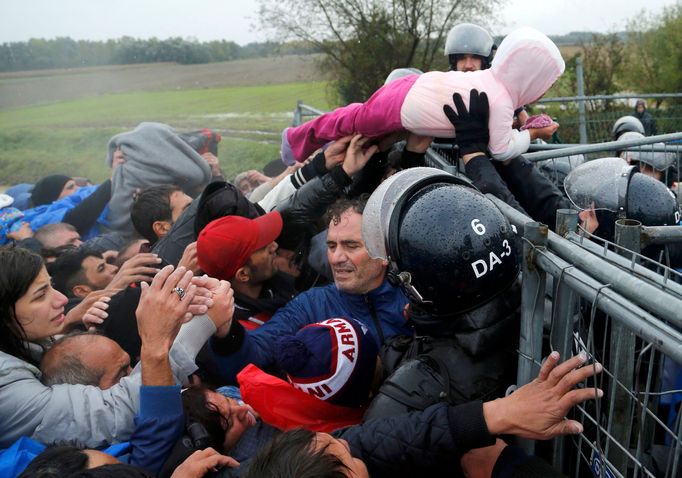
31, 312
25, 294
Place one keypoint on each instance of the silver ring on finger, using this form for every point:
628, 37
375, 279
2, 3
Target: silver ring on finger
180, 291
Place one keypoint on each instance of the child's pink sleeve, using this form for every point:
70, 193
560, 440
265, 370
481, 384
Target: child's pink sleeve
505, 142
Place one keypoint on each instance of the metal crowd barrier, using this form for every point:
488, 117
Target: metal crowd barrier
608, 304
304, 111
623, 310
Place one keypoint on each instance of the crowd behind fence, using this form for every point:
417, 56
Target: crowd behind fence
622, 309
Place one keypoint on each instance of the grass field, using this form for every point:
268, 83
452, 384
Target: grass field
60, 121
70, 136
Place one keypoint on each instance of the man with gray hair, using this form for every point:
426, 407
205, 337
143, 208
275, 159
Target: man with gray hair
85, 359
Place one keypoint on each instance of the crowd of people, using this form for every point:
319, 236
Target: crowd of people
346, 313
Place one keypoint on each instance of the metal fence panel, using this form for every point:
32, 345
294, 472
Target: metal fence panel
622, 310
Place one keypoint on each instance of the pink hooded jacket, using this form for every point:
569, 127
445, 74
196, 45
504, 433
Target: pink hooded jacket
526, 65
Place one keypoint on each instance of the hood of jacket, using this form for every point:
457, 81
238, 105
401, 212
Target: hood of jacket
527, 63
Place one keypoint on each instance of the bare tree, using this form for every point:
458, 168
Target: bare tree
364, 40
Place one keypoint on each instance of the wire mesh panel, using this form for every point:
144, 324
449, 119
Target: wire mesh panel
635, 429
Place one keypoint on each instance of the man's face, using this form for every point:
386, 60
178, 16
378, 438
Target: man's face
262, 265
588, 220
235, 419
285, 261
245, 187
354, 271
355, 467
69, 188
106, 355
98, 272
469, 62
179, 201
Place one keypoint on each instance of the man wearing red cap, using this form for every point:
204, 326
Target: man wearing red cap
242, 251
360, 291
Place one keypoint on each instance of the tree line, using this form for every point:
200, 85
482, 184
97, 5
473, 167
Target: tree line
364, 40
65, 52
646, 59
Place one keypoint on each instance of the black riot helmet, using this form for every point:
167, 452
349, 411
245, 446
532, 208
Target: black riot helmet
467, 38
650, 202
448, 246
556, 169
617, 190
625, 124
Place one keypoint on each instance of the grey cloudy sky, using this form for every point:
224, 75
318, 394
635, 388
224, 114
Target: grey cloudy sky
233, 19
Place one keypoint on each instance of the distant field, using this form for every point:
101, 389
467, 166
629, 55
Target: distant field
61, 120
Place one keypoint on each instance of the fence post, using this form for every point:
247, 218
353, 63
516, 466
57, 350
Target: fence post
582, 122
532, 310
297, 114
564, 305
566, 221
622, 358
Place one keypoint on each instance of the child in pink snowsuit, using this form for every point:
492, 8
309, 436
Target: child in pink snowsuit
525, 66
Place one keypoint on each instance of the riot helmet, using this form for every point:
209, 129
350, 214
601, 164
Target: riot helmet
627, 136
448, 246
650, 202
658, 160
469, 39
625, 124
556, 169
400, 72
617, 190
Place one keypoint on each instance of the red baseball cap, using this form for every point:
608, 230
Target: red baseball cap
226, 244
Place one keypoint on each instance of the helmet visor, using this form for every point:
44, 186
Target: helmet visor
379, 209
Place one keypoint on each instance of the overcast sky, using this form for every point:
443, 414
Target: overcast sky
234, 19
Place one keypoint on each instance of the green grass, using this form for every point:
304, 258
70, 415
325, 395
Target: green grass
71, 137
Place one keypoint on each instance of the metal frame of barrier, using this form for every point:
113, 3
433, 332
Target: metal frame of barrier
303, 111
620, 308
620, 325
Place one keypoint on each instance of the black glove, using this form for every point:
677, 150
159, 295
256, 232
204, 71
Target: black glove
471, 127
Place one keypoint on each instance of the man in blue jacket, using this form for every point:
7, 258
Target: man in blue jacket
360, 291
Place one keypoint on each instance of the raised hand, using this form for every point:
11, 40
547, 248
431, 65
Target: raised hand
201, 462
538, 409
471, 126
357, 155
189, 258
163, 307
97, 313
141, 267
221, 295
336, 152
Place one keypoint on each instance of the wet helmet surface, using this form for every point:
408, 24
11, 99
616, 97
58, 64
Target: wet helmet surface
625, 124
457, 246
